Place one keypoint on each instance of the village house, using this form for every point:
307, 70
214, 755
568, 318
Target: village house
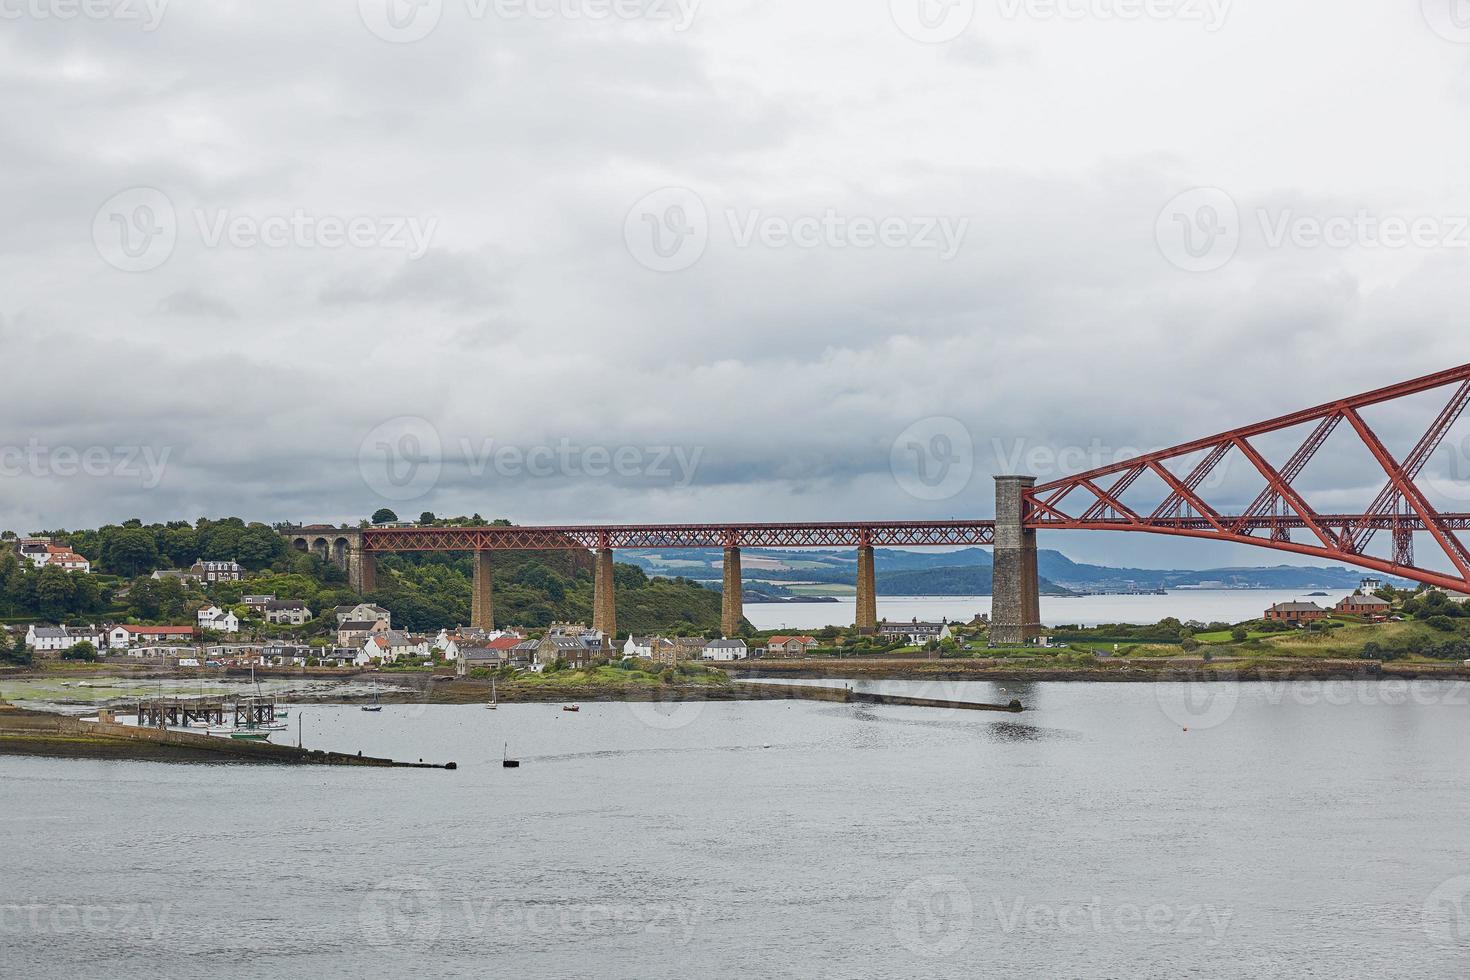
1370, 606
489, 655
1296, 612
577, 651
287, 654
58, 639
41, 552
363, 612
391, 646
523, 654
257, 603
639, 646
218, 620
915, 632
790, 646
339, 657
183, 576
125, 637
725, 650
287, 612
217, 571
356, 633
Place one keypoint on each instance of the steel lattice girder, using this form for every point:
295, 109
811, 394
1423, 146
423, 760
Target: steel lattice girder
1401, 507
907, 534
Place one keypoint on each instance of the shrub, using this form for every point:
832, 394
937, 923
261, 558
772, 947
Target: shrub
1239, 635
1442, 623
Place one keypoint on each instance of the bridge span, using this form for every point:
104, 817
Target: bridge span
1106, 499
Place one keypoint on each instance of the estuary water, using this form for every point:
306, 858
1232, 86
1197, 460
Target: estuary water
1205, 605
1293, 830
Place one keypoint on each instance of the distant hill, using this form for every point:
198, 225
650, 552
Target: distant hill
968, 571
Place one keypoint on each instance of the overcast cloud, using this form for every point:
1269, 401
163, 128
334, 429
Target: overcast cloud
713, 261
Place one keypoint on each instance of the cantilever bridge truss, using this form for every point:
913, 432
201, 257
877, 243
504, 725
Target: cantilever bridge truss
1105, 499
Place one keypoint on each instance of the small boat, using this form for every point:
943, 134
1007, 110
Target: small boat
491, 706
250, 736
571, 707
375, 706
506, 762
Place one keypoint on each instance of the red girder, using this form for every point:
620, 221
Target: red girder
1401, 508
900, 534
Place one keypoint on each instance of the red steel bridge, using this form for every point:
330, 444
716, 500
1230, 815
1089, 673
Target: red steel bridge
1102, 499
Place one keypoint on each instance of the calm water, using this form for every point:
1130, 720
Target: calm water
1293, 831
1205, 605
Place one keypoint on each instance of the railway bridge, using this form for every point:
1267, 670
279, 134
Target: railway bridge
1156, 493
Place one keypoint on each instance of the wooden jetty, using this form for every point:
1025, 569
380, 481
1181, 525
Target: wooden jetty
183, 712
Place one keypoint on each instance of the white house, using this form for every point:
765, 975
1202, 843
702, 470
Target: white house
61, 557
216, 619
394, 645
51, 639
639, 646
725, 650
123, 637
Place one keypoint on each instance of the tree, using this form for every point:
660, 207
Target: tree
1239, 635
1442, 623
384, 516
55, 592
129, 551
85, 650
427, 517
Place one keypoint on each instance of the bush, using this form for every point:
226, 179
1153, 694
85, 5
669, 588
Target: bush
80, 651
1239, 635
1442, 623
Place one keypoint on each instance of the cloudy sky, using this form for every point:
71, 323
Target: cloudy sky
671, 260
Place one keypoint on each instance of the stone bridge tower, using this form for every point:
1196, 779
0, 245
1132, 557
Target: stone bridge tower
1015, 615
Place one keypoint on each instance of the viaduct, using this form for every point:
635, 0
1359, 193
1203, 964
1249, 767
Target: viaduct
1111, 498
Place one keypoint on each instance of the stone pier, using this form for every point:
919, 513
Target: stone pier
482, 600
1015, 615
362, 570
604, 596
733, 600
867, 592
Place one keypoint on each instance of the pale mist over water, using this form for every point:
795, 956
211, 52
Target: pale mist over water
1205, 605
